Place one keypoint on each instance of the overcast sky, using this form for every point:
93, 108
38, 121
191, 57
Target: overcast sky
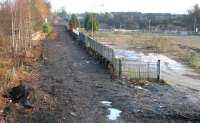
145, 6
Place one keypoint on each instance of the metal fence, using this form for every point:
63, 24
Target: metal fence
123, 68
101, 49
140, 70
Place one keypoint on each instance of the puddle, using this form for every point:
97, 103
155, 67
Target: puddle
131, 55
87, 62
139, 87
168, 65
106, 103
114, 114
171, 71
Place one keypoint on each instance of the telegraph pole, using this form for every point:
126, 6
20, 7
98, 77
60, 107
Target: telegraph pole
92, 27
149, 25
195, 21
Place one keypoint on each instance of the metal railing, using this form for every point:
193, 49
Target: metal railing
123, 68
140, 70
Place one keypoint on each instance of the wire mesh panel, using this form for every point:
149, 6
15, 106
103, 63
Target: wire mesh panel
117, 66
139, 70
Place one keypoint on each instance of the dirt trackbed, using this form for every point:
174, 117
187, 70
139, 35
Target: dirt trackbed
78, 83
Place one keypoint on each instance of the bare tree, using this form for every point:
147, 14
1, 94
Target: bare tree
21, 29
16, 17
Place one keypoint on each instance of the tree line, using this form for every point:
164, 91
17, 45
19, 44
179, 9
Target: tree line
141, 21
193, 18
90, 22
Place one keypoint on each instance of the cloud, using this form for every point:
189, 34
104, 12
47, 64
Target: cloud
146, 6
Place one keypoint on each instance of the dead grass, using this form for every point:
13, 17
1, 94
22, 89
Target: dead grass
8, 73
42, 102
192, 58
157, 43
10, 77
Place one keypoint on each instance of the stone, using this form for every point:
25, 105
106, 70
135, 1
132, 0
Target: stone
73, 114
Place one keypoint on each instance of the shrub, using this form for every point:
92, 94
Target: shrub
192, 59
47, 28
195, 60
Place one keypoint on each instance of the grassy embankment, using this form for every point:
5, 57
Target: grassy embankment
7, 61
11, 76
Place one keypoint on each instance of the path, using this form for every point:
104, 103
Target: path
78, 83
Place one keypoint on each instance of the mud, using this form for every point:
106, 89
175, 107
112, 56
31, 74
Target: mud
77, 84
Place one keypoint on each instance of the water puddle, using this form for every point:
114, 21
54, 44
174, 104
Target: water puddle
131, 55
168, 65
139, 87
114, 114
171, 70
106, 103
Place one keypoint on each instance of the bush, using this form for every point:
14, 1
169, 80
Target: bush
192, 59
47, 28
195, 60
91, 23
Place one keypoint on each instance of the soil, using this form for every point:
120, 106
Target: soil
73, 84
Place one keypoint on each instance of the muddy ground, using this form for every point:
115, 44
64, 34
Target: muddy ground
71, 85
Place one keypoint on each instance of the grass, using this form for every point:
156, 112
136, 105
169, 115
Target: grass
9, 73
167, 44
10, 77
47, 28
195, 62
192, 58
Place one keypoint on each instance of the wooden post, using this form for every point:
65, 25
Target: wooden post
101, 59
120, 68
139, 72
98, 57
148, 71
105, 62
158, 70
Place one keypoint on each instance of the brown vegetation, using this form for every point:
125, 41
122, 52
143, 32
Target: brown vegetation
156, 43
20, 46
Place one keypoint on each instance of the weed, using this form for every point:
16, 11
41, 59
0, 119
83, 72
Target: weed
47, 28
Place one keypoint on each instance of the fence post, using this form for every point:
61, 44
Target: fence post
148, 71
158, 70
120, 68
139, 72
